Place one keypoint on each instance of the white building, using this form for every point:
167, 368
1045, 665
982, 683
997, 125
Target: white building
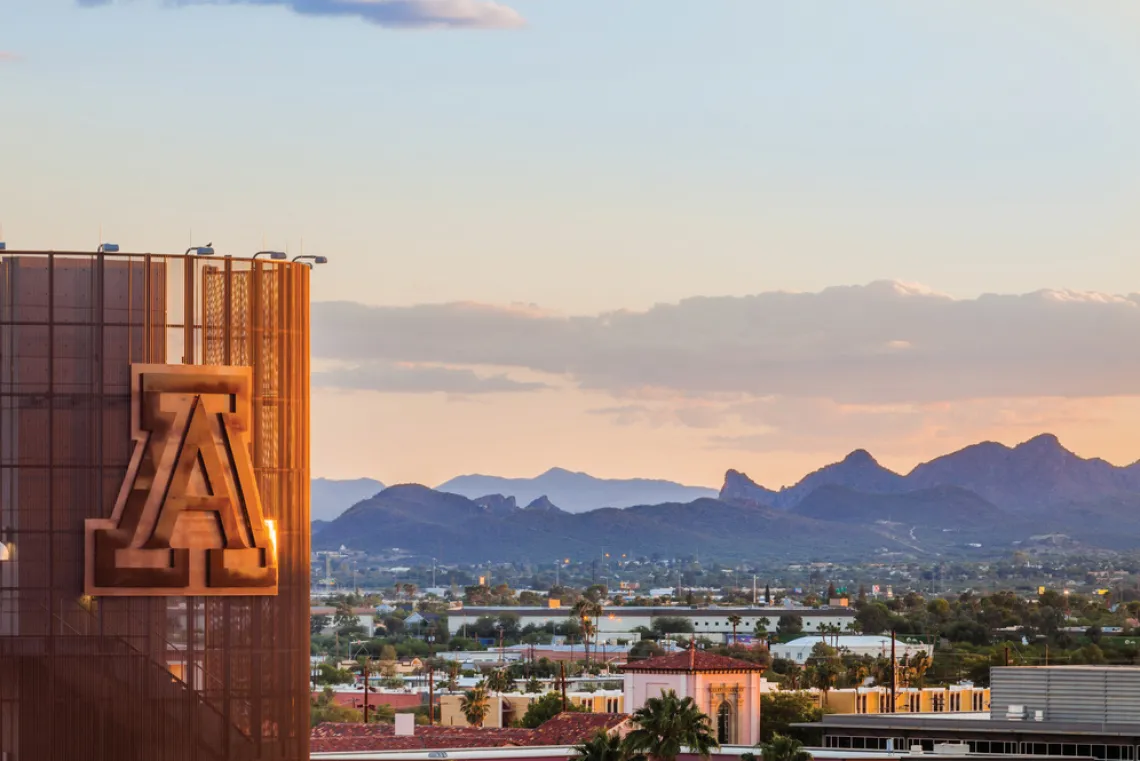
620, 621
799, 650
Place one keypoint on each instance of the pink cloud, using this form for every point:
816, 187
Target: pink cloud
7, 56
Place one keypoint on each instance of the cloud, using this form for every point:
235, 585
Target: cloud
9, 57
882, 343
408, 14
417, 379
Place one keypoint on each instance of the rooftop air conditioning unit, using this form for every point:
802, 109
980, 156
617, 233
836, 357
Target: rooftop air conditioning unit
952, 749
916, 750
1039, 716
1015, 713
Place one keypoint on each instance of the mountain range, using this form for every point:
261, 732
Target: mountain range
329, 498
1021, 480
981, 500
577, 492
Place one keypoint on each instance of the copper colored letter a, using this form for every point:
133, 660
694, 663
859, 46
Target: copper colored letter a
188, 518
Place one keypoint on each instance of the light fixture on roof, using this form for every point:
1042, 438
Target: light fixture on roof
278, 255
311, 260
108, 248
206, 250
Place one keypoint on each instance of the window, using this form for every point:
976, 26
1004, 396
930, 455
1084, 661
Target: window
861, 705
914, 703
978, 701
955, 701
938, 702
612, 705
724, 728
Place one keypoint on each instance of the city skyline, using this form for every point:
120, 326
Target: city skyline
587, 183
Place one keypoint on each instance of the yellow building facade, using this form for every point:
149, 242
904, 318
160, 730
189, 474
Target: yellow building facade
511, 707
951, 699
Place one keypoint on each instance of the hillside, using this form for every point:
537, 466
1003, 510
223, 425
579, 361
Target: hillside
421, 521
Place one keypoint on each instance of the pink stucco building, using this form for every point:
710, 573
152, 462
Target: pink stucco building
726, 689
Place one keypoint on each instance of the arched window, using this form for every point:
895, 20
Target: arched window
724, 733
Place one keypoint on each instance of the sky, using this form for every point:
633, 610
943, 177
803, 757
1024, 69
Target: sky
657, 238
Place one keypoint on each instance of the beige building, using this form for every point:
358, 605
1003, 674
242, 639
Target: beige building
512, 706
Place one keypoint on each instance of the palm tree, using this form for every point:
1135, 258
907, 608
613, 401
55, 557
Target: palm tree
603, 747
781, 748
735, 620
587, 611
667, 724
475, 706
497, 681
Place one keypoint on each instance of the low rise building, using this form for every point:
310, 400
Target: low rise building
623, 622
1035, 711
799, 650
512, 706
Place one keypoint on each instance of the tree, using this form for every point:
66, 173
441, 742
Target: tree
603, 747
672, 625
666, 724
587, 611
781, 709
767, 595
645, 648
762, 625
788, 625
318, 624
874, 618
533, 686
500, 681
781, 748
475, 705
325, 708
735, 621
546, 708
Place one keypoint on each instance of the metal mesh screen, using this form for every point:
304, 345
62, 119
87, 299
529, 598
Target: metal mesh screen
152, 679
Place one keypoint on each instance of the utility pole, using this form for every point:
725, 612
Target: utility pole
562, 671
364, 668
753, 590
431, 696
894, 673
1007, 655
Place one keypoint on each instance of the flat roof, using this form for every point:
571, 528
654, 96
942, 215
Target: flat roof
942, 722
657, 610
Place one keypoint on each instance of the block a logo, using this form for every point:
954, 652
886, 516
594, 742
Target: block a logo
188, 518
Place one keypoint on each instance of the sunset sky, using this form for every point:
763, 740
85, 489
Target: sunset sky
654, 238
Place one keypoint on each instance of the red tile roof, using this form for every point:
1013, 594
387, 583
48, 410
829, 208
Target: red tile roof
563, 729
691, 661
572, 728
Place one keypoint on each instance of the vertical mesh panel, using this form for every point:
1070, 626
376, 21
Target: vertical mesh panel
146, 679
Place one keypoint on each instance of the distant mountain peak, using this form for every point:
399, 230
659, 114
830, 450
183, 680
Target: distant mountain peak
543, 503
1042, 442
860, 457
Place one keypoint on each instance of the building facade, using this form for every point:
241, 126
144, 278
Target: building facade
620, 622
727, 690
154, 508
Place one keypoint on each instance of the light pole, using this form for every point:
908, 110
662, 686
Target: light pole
278, 255
311, 260
108, 248
206, 250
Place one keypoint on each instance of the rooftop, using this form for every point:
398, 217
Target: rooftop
690, 661
563, 729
